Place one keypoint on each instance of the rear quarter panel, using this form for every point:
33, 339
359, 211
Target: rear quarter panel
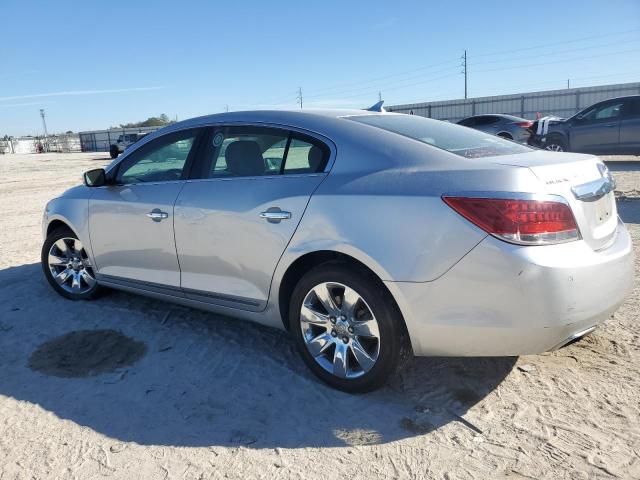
382, 205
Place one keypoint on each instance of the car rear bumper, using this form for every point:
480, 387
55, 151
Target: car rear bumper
503, 299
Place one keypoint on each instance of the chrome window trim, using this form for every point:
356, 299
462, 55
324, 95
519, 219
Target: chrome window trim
318, 136
256, 177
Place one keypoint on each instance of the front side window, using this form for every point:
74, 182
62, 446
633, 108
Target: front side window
603, 112
261, 151
161, 160
453, 138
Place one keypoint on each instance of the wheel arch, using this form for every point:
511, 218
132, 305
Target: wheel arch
57, 223
562, 135
306, 262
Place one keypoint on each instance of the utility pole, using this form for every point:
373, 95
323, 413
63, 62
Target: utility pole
379, 96
300, 97
568, 85
464, 71
226, 107
44, 123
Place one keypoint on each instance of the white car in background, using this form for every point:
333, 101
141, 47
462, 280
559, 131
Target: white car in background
124, 141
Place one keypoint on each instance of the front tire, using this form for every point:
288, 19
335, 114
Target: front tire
113, 151
347, 328
556, 143
67, 267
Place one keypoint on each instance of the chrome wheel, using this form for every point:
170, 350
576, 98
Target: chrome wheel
70, 266
339, 330
554, 147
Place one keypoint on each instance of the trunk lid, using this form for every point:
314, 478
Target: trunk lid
584, 181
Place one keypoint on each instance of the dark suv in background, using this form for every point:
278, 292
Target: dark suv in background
611, 127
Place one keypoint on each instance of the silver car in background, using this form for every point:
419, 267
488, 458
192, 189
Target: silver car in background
369, 236
504, 126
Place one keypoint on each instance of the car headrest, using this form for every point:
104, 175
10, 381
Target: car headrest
316, 159
244, 158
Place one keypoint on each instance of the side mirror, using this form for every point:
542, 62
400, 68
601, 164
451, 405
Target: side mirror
95, 178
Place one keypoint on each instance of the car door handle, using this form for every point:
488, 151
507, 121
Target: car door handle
275, 216
157, 215
609, 125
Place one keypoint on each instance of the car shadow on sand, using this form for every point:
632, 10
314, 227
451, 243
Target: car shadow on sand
140, 370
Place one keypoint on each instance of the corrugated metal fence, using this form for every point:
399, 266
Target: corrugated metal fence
562, 103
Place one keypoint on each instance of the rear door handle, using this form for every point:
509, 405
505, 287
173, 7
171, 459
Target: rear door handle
275, 215
157, 215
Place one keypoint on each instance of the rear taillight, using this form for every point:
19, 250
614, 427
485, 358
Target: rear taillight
527, 124
523, 221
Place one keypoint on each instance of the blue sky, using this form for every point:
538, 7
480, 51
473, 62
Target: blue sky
95, 64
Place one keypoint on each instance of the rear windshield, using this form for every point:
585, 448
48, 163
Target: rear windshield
462, 141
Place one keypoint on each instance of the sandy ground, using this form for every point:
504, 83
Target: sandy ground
125, 387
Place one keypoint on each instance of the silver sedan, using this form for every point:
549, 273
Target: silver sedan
371, 237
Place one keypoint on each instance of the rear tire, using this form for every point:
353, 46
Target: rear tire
67, 267
113, 151
355, 344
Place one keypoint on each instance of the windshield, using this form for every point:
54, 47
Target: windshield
462, 141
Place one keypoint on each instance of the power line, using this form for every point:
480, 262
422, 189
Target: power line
315, 93
547, 53
376, 79
514, 88
501, 52
383, 85
558, 61
355, 87
353, 91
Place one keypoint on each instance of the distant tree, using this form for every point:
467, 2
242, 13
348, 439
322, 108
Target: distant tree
160, 121
69, 132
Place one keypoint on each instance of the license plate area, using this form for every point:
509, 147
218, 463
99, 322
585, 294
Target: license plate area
603, 209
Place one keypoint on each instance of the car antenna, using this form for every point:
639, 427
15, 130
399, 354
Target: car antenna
377, 107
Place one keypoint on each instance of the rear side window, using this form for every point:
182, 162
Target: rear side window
260, 151
486, 120
305, 155
631, 108
453, 138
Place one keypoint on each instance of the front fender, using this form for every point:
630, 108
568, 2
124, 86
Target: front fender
73, 212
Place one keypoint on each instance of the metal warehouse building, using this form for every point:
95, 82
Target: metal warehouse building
562, 103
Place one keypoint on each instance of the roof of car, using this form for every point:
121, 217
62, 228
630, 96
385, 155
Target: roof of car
301, 118
281, 114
